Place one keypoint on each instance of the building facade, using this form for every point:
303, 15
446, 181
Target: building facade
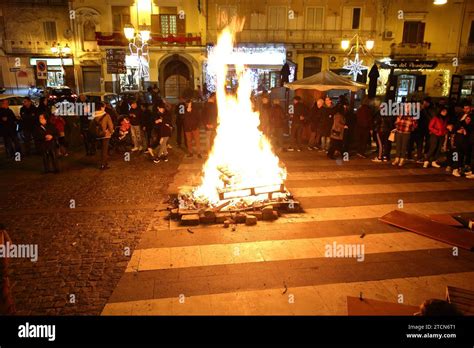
419, 47
27, 33
176, 49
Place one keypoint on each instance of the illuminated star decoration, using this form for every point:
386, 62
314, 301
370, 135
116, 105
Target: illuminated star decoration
355, 67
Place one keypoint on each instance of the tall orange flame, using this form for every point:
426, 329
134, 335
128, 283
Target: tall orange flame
240, 148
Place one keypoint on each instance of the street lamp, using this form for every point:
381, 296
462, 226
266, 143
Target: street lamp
355, 66
138, 45
61, 51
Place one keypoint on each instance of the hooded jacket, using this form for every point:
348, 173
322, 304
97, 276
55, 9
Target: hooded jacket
105, 122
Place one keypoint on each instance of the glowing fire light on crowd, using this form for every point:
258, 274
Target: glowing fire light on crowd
241, 162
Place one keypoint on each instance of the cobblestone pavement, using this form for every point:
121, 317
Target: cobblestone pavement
85, 222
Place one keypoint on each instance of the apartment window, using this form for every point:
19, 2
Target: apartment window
314, 18
471, 34
120, 17
277, 17
413, 32
50, 33
356, 12
169, 24
225, 14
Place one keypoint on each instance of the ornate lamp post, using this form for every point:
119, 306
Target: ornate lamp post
354, 44
61, 52
138, 46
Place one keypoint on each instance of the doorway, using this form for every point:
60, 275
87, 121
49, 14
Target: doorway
176, 76
405, 87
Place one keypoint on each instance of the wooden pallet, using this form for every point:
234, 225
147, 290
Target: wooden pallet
463, 299
462, 238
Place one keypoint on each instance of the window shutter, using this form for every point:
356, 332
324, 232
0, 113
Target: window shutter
155, 24
420, 33
310, 18
181, 25
347, 18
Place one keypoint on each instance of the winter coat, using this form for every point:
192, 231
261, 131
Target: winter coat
327, 121
462, 141
40, 136
364, 117
135, 116
105, 122
192, 119
337, 130
437, 126
29, 117
165, 127
7, 122
298, 113
316, 117
59, 123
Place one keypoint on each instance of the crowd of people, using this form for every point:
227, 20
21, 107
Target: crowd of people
437, 132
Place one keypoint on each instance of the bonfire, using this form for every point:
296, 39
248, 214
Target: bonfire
242, 170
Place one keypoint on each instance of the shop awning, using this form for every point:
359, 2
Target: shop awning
325, 81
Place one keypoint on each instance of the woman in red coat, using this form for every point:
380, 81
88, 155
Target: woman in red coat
438, 131
60, 124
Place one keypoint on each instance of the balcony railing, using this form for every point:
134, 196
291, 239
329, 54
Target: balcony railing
410, 49
468, 51
27, 47
297, 36
118, 39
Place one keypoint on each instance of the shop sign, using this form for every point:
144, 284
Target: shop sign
410, 64
115, 59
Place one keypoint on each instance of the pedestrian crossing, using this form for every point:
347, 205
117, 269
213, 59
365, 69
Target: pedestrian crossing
282, 267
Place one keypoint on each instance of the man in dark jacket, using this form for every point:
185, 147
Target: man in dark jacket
420, 136
297, 124
192, 121
327, 120
28, 122
135, 117
364, 124
84, 120
163, 126
8, 130
209, 115
315, 123
46, 135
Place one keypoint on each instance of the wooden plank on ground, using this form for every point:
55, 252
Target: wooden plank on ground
445, 219
462, 298
418, 224
364, 307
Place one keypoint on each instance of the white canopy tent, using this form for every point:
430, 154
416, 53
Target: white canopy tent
324, 81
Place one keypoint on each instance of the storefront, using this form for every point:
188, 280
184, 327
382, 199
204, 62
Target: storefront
406, 79
60, 72
265, 63
462, 88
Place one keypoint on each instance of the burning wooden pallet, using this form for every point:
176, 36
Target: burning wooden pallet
267, 203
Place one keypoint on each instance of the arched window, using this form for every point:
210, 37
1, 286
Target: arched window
89, 30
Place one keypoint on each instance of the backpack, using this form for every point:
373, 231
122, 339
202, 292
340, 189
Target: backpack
95, 127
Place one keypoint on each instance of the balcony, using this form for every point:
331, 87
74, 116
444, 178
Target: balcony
324, 39
118, 39
467, 51
415, 50
27, 47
